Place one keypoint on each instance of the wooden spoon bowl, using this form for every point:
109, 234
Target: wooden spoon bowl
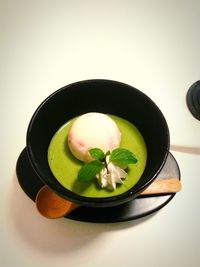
51, 205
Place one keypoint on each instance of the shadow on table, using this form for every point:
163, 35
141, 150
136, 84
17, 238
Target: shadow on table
60, 235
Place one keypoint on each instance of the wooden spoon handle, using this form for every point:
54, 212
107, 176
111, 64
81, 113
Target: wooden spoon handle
53, 206
164, 186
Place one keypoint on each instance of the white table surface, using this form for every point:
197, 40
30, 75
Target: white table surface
152, 45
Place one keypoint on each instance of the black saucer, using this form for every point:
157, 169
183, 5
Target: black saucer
193, 99
137, 208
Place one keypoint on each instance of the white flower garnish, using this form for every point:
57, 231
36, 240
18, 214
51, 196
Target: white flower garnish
111, 175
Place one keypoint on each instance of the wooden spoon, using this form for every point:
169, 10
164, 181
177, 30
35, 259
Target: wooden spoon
52, 206
164, 186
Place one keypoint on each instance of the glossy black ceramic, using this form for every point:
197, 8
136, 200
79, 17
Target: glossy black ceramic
139, 207
193, 99
104, 96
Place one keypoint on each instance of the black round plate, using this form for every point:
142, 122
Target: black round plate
137, 208
193, 99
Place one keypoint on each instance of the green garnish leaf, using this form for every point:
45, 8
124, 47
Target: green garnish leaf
97, 153
89, 170
122, 157
107, 153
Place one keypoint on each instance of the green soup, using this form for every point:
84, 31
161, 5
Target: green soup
65, 166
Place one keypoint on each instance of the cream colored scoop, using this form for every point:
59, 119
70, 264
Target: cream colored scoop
52, 206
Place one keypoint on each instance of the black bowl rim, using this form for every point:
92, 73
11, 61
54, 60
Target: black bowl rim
95, 201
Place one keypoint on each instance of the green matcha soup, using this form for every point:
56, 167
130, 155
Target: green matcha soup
65, 166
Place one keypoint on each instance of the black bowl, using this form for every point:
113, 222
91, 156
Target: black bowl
103, 96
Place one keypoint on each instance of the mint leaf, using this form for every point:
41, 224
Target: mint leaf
89, 170
97, 153
122, 157
107, 153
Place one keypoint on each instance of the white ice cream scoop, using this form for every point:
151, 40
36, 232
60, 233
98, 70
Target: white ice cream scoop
93, 130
